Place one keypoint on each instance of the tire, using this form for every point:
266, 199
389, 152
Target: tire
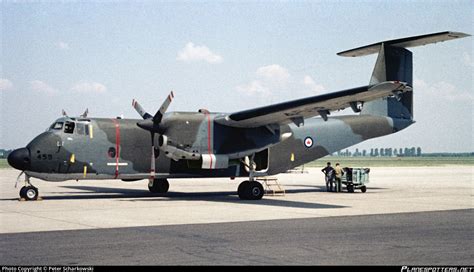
255, 190
31, 193
363, 189
23, 192
160, 186
350, 188
243, 190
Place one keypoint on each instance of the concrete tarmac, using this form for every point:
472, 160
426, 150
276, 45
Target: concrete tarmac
114, 222
426, 238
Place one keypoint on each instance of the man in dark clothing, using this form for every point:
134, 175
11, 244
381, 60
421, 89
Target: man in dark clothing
329, 176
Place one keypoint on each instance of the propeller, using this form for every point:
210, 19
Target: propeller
152, 124
84, 115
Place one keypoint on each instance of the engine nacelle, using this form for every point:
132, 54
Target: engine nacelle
174, 152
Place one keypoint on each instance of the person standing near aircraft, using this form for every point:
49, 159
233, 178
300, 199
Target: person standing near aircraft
329, 176
339, 174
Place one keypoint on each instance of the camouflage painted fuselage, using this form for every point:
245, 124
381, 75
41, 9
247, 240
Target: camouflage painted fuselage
119, 149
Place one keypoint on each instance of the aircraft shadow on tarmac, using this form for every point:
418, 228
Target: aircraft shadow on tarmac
91, 192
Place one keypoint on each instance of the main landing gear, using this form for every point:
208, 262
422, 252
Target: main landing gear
28, 192
158, 186
250, 189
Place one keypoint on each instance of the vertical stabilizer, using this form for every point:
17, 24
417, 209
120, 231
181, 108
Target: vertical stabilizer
395, 63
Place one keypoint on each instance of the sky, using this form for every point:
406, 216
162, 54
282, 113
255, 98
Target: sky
226, 57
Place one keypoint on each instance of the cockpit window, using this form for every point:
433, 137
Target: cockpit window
69, 127
82, 128
57, 125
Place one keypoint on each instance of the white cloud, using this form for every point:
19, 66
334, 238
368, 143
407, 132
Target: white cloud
254, 88
62, 45
42, 88
5, 84
442, 89
270, 78
193, 52
89, 87
313, 86
273, 72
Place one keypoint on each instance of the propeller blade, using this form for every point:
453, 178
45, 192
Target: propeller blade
84, 115
159, 114
152, 168
140, 110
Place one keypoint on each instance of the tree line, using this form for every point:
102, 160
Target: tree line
382, 152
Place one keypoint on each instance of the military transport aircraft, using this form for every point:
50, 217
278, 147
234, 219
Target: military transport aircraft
250, 143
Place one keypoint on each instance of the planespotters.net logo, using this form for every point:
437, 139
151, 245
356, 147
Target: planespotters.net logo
437, 268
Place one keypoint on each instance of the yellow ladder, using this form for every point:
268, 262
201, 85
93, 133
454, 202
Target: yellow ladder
272, 186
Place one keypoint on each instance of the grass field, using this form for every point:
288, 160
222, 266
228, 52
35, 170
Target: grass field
374, 162
392, 162
4, 164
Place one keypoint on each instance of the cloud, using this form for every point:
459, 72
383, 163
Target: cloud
62, 45
443, 89
270, 78
89, 87
5, 84
273, 72
193, 52
315, 88
254, 88
42, 88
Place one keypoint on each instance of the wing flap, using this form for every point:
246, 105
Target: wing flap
287, 112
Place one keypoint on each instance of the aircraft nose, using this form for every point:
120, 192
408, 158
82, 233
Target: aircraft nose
20, 158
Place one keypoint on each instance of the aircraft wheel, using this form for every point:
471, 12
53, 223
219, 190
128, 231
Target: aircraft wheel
29, 193
23, 192
363, 189
160, 186
255, 190
243, 190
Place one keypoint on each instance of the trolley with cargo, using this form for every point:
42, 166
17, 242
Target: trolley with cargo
355, 178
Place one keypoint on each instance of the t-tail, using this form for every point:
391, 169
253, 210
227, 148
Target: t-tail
395, 63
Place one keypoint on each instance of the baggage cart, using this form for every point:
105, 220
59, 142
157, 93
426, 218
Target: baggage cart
355, 178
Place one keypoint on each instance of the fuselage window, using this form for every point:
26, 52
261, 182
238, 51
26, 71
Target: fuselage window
82, 129
112, 152
57, 125
69, 127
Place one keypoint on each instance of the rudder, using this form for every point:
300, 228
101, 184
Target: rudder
393, 64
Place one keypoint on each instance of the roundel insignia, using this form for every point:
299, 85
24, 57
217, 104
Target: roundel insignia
308, 142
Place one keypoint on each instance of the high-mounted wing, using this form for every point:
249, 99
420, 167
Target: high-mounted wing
297, 110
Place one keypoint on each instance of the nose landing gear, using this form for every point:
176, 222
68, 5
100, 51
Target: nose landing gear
28, 192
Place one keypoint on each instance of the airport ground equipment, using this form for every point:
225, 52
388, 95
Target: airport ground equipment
355, 178
272, 186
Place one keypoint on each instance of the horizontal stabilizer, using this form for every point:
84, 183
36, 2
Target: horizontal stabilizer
404, 42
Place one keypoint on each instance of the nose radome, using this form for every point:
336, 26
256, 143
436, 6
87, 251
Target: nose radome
20, 158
